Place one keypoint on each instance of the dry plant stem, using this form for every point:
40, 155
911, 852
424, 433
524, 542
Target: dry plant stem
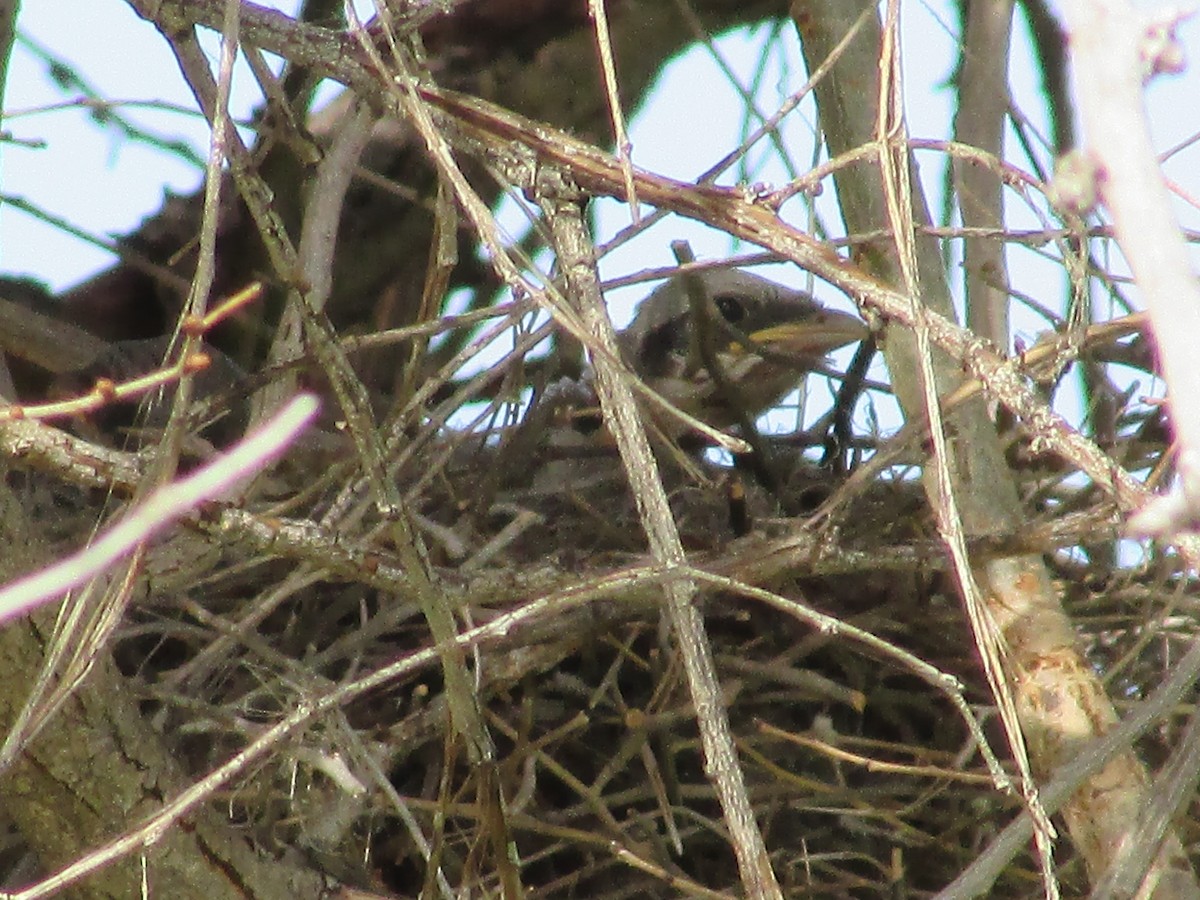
318, 239
368, 760
1172, 792
732, 210
561, 201
220, 144
872, 763
634, 588
940, 479
98, 766
342, 510
913, 430
89, 617
465, 717
979, 123
78, 462
45, 448
1060, 701
443, 258
317, 244
702, 38
187, 801
1112, 54
680, 886
158, 510
892, 137
79, 640
238, 631
1003, 379
978, 878
8, 31
726, 207
769, 127
624, 147
940, 681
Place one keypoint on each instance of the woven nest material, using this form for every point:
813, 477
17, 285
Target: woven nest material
835, 627
863, 775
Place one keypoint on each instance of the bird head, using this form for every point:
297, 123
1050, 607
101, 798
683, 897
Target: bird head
766, 337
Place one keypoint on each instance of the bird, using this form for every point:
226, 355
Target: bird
762, 336
764, 339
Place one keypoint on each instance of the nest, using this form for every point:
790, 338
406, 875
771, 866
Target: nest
863, 774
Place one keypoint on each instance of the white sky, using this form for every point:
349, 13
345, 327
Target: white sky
104, 184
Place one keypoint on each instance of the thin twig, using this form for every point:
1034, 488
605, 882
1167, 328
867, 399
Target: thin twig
160, 509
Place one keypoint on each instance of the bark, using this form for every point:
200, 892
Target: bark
1060, 701
98, 768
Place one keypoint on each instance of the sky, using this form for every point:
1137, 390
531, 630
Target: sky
104, 184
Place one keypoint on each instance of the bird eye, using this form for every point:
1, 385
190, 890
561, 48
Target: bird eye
730, 307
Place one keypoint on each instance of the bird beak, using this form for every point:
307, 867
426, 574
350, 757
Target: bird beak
813, 335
